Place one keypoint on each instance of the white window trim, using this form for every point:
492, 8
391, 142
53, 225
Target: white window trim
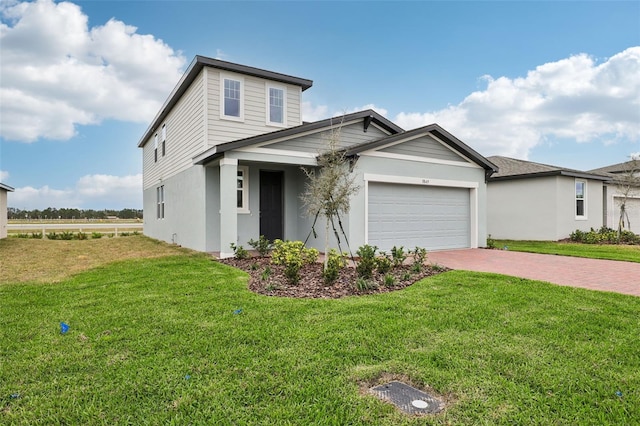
245, 190
223, 116
164, 139
268, 105
155, 148
584, 200
160, 207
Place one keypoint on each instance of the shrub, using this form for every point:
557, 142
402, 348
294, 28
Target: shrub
80, 236
398, 255
262, 246
124, 234
604, 236
135, 233
53, 236
239, 252
335, 262
366, 262
419, 257
96, 235
491, 243
389, 280
265, 274
363, 284
292, 255
383, 263
21, 235
67, 235
36, 235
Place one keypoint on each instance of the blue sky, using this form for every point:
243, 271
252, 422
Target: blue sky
552, 82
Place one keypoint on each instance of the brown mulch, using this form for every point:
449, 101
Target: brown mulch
312, 285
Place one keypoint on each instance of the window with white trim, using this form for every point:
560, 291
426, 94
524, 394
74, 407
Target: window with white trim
242, 190
232, 104
155, 148
581, 199
164, 138
276, 105
160, 202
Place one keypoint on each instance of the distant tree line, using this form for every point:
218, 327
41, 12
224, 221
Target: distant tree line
53, 213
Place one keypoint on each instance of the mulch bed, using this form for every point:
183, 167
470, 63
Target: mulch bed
312, 285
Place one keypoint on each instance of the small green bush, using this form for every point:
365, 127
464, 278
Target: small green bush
363, 284
80, 236
265, 274
96, 235
53, 236
366, 262
335, 262
389, 280
491, 243
604, 236
398, 255
419, 257
262, 246
239, 252
383, 263
67, 235
36, 235
20, 235
293, 255
124, 234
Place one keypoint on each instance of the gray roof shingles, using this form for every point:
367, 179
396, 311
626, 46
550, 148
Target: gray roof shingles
512, 168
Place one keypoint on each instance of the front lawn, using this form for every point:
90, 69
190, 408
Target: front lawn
181, 340
628, 253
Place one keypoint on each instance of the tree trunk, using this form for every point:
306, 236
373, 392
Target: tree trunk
326, 244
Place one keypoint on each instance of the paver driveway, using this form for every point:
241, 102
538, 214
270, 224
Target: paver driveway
593, 274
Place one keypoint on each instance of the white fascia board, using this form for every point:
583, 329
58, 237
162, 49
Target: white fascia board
419, 159
275, 156
424, 181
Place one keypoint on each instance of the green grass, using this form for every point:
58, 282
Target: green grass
156, 341
594, 251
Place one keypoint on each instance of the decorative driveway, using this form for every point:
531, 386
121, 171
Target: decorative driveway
592, 274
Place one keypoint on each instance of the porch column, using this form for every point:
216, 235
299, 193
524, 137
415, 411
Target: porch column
228, 206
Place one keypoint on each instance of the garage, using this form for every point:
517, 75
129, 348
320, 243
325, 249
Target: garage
433, 217
633, 213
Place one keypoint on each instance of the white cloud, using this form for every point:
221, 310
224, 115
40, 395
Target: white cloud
58, 73
383, 112
90, 192
313, 113
4, 175
575, 98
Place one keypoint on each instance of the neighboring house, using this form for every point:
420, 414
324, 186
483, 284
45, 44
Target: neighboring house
532, 201
625, 177
222, 164
4, 190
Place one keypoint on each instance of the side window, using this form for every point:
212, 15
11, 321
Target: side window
276, 105
232, 104
164, 139
581, 199
242, 190
160, 202
155, 148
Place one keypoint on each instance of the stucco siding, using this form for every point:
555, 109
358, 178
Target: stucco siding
426, 147
184, 138
567, 222
184, 213
350, 134
3, 213
523, 209
221, 130
612, 207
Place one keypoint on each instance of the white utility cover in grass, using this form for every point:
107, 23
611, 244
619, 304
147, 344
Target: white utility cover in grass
433, 217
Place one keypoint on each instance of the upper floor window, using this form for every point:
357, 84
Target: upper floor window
276, 105
242, 190
155, 148
232, 103
164, 139
581, 199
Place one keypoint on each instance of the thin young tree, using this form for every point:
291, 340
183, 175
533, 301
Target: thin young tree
329, 186
628, 184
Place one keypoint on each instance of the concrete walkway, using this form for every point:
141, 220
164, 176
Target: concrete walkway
593, 274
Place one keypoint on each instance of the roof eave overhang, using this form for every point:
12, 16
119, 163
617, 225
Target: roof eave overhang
566, 173
6, 187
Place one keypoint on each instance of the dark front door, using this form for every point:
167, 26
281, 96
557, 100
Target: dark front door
271, 204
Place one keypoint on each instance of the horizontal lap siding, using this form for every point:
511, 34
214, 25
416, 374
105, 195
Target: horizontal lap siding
426, 147
255, 110
350, 135
185, 137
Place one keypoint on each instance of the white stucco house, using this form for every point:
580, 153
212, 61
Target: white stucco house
533, 201
624, 177
4, 190
222, 164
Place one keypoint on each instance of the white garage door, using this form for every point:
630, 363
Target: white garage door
432, 217
633, 211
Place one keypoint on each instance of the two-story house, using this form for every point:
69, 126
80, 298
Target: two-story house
222, 164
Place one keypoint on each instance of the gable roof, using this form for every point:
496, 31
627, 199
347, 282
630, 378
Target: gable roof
198, 63
512, 168
436, 131
368, 116
619, 168
6, 187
